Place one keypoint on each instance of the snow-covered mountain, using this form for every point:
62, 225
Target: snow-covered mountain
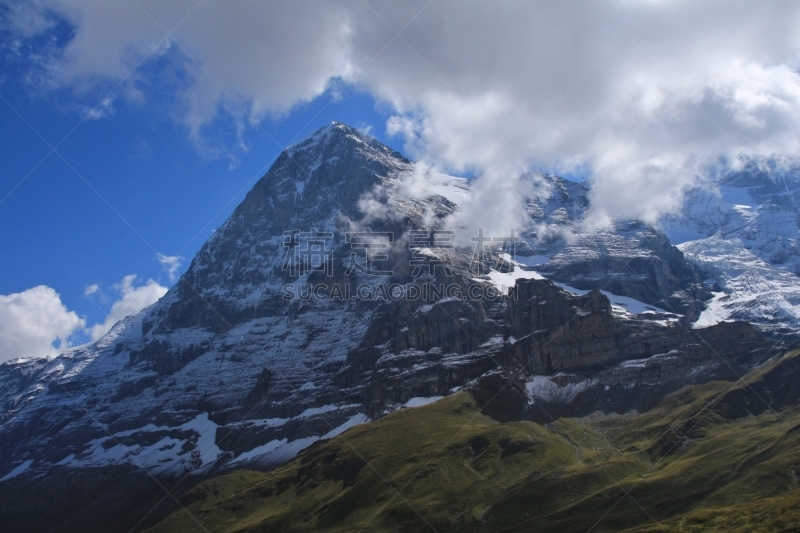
743, 231
240, 365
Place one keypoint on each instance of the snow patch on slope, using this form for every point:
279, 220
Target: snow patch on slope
280, 451
545, 389
620, 303
18, 470
419, 401
504, 281
189, 447
753, 289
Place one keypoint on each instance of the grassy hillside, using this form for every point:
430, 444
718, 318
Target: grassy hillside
708, 458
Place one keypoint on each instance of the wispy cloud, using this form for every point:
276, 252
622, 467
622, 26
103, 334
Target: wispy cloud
101, 110
91, 289
171, 264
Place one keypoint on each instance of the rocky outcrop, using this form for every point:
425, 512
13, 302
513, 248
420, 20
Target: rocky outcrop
579, 358
632, 260
553, 330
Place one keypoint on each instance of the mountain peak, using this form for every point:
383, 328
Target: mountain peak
327, 134
340, 142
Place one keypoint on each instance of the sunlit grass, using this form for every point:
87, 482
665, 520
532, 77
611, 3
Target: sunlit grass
683, 466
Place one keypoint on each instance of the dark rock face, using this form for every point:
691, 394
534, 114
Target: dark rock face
453, 326
501, 396
635, 261
16, 377
596, 362
554, 330
627, 259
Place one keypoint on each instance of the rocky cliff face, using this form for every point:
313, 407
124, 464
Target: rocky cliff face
629, 259
231, 370
578, 357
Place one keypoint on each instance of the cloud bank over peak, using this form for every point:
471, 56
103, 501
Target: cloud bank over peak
645, 96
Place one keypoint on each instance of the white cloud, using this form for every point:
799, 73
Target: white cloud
91, 289
495, 206
35, 323
101, 110
131, 300
560, 86
269, 56
29, 19
645, 95
32, 321
170, 263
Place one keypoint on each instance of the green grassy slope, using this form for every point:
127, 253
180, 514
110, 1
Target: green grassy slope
708, 458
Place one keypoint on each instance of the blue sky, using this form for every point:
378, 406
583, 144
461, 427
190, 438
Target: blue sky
166, 113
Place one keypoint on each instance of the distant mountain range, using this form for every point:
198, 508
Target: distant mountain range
337, 292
